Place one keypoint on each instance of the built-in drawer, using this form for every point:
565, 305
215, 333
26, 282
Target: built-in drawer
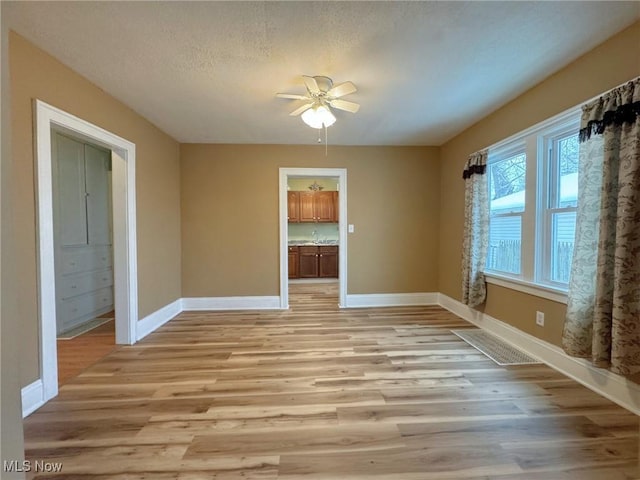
83, 307
80, 283
75, 260
307, 250
328, 249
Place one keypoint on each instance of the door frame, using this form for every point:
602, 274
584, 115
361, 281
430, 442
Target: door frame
123, 160
341, 174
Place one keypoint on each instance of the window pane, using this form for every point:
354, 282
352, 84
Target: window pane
568, 171
563, 234
505, 235
507, 184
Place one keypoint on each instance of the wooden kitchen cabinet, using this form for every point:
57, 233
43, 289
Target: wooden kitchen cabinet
328, 261
324, 208
307, 207
293, 207
308, 262
315, 207
293, 262
318, 261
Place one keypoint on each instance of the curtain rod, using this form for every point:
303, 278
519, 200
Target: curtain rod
559, 116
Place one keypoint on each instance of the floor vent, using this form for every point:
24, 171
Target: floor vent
497, 350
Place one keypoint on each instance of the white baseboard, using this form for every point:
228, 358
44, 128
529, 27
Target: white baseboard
158, 318
32, 397
390, 299
231, 303
614, 387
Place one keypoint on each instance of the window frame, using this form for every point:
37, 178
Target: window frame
536, 233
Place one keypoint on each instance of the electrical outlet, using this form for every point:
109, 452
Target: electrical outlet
540, 319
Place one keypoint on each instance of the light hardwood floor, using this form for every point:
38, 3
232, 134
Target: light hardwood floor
321, 393
79, 353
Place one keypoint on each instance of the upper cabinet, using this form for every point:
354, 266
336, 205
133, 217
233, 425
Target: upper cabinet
325, 211
313, 207
307, 206
293, 207
97, 165
83, 201
71, 194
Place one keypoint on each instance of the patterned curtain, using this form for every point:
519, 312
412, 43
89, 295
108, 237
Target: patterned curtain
476, 229
603, 310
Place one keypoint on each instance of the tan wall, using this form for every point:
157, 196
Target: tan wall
35, 74
610, 64
230, 216
11, 434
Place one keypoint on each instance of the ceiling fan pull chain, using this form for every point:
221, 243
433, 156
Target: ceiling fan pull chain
326, 142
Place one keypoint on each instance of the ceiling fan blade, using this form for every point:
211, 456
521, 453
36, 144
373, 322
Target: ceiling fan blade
298, 111
292, 96
341, 90
345, 105
311, 84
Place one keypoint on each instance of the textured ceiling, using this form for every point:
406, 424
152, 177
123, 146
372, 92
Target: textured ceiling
208, 71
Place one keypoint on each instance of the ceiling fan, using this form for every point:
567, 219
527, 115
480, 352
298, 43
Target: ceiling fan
321, 96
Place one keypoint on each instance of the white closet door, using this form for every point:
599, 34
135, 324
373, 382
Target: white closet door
97, 168
72, 212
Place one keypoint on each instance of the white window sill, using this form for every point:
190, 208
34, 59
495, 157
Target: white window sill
550, 293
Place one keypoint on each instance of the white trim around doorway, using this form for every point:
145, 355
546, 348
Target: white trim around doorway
341, 175
124, 233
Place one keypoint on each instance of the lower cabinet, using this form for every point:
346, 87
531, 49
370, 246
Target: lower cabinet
308, 262
84, 285
328, 262
315, 261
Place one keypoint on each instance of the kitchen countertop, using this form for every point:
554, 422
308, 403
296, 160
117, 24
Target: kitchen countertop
321, 243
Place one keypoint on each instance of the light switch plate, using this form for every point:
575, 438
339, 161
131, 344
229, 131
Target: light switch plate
351, 228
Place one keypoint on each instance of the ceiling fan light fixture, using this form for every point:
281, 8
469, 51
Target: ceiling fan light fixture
321, 94
318, 116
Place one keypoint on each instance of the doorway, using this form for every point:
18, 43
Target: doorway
316, 233
124, 234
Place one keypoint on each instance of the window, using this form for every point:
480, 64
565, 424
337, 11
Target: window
507, 176
561, 198
533, 191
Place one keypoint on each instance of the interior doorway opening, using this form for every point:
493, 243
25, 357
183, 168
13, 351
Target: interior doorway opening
83, 253
125, 283
313, 241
